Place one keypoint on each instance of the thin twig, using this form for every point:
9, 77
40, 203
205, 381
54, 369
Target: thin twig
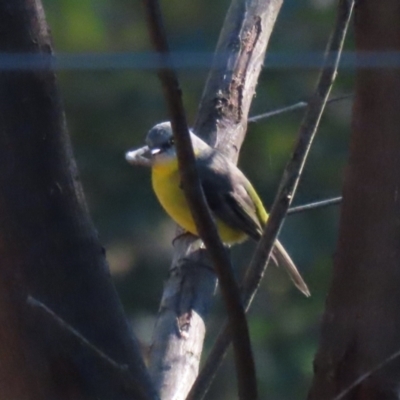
297, 106
121, 371
294, 168
33, 302
245, 369
315, 205
365, 376
285, 194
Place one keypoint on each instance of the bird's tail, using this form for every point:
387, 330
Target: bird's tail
282, 258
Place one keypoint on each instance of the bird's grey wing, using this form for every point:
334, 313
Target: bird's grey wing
224, 188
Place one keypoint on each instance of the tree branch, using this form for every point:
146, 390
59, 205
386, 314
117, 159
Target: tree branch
119, 373
188, 293
294, 168
247, 383
315, 205
365, 376
39, 306
223, 111
285, 194
294, 107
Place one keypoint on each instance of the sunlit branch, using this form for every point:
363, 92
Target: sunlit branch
245, 368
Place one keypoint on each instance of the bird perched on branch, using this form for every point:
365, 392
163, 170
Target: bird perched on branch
235, 205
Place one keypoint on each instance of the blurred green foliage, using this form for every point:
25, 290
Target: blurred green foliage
110, 111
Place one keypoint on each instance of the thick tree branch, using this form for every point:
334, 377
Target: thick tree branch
238, 59
247, 383
188, 294
224, 107
285, 194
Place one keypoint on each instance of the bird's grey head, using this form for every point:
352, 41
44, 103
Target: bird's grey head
160, 140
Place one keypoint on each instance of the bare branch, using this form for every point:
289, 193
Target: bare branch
62, 324
285, 194
294, 107
315, 205
121, 373
294, 168
247, 383
365, 376
224, 107
223, 113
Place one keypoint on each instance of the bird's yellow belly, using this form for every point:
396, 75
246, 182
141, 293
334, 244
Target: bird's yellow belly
167, 187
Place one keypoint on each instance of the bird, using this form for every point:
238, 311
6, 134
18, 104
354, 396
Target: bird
237, 209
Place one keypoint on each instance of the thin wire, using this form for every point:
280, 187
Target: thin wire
184, 60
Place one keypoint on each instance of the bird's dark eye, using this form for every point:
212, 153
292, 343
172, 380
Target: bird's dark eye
167, 145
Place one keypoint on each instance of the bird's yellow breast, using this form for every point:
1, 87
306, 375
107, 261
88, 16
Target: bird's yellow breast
167, 187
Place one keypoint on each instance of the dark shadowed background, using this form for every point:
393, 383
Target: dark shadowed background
109, 109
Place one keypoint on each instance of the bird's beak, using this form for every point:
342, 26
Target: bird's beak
140, 156
155, 150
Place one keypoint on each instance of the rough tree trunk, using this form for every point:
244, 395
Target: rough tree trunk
361, 324
48, 246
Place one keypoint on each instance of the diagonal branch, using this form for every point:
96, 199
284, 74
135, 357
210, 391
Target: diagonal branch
120, 373
245, 368
367, 374
63, 325
222, 121
285, 194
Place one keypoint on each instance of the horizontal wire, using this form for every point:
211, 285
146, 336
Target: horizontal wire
185, 60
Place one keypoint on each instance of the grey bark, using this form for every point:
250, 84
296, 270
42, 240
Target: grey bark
222, 121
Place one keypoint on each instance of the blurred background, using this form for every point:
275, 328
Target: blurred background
110, 108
